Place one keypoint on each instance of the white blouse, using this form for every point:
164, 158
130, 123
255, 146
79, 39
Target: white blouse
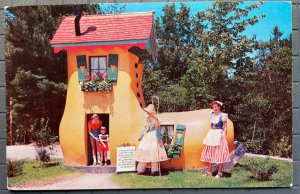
216, 118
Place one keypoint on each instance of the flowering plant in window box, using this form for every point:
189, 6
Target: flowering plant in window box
96, 83
173, 151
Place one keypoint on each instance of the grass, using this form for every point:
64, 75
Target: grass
34, 174
238, 176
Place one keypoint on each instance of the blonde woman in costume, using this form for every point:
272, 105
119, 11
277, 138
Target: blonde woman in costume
151, 148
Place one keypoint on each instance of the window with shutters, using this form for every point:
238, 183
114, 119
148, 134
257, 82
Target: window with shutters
95, 78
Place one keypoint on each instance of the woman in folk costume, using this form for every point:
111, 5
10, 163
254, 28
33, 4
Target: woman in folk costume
215, 145
151, 148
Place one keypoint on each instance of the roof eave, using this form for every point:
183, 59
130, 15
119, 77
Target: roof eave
99, 43
125, 44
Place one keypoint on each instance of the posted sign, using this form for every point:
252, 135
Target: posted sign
125, 159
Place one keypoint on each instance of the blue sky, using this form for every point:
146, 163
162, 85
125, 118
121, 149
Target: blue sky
277, 13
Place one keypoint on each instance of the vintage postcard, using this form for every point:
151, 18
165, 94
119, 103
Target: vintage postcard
149, 95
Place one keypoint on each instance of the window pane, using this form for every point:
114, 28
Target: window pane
98, 64
94, 63
167, 131
171, 131
102, 62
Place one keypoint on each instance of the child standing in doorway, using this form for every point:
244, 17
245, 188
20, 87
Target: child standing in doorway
103, 145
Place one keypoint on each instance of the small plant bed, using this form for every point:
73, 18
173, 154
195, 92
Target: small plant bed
237, 177
34, 174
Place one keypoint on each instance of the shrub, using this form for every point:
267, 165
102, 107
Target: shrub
45, 140
42, 155
284, 147
256, 146
14, 167
44, 135
262, 170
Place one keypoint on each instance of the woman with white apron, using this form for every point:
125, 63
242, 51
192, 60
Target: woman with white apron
151, 148
215, 144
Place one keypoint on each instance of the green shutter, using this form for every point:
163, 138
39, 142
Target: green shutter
81, 60
179, 139
113, 59
112, 74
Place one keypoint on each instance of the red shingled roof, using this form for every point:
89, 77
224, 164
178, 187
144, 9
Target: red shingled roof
105, 28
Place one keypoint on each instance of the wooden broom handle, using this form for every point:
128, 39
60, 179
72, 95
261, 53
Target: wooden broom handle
152, 101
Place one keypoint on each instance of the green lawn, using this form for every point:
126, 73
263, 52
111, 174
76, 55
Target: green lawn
239, 176
34, 174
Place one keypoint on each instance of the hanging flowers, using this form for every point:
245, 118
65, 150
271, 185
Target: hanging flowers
98, 83
87, 76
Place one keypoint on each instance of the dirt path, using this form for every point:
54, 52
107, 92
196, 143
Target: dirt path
28, 152
76, 182
271, 157
84, 181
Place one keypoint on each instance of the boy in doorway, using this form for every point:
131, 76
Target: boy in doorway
103, 145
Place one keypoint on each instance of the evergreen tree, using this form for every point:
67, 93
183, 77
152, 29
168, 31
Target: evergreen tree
174, 39
261, 104
36, 77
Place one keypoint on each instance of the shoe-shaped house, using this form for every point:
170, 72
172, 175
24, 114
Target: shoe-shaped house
113, 47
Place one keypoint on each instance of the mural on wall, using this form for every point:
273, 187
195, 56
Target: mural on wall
191, 89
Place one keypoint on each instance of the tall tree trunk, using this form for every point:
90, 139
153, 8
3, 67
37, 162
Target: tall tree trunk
10, 121
253, 131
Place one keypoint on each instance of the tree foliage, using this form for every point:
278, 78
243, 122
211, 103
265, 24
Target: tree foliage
265, 93
207, 56
34, 98
36, 77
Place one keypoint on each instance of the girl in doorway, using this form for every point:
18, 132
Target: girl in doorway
103, 145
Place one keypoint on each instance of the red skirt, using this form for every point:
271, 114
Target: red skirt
216, 154
102, 148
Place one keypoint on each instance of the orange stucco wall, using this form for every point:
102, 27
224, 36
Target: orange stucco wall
197, 125
126, 117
